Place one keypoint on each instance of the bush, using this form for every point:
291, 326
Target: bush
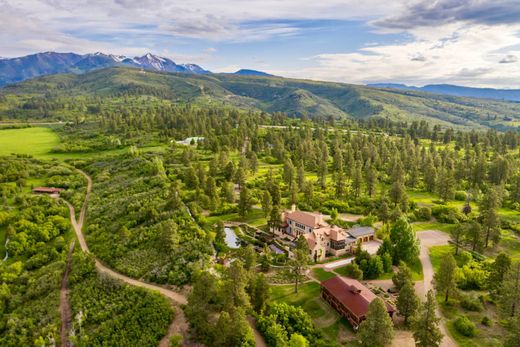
424, 214
460, 195
465, 327
471, 304
445, 214
486, 321
340, 206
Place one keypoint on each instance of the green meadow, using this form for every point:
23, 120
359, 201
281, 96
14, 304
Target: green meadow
37, 142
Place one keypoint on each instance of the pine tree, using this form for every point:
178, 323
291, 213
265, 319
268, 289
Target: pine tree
260, 293
377, 329
498, 270
445, 277
446, 184
509, 297
489, 216
402, 276
406, 245
456, 235
244, 202
426, 324
300, 260
407, 301
267, 203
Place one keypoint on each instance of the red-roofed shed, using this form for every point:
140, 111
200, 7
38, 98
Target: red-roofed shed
350, 298
46, 190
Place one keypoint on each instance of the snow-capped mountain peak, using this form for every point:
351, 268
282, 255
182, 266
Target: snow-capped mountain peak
15, 69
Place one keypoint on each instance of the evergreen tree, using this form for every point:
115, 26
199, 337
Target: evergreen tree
244, 202
509, 293
377, 329
489, 216
234, 288
384, 212
267, 203
498, 270
407, 301
299, 261
446, 184
406, 245
426, 324
445, 277
473, 235
260, 293
402, 276
456, 235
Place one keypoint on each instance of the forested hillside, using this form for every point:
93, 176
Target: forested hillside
59, 96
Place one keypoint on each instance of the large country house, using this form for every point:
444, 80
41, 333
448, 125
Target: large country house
323, 239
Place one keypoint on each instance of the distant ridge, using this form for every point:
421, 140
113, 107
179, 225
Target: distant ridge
47, 63
249, 72
297, 98
449, 89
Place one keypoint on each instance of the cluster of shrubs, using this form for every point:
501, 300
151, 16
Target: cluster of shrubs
465, 327
445, 214
471, 304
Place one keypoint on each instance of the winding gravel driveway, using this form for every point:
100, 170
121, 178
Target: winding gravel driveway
179, 324
428, 239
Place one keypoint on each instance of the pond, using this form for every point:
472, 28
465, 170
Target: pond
232, 241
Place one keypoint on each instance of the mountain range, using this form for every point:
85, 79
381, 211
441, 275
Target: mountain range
449, 89
268, 94
19, 69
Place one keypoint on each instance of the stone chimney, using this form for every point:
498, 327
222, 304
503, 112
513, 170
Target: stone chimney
293, 207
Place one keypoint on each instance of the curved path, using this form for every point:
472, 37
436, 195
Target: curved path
65, 309
179, 324
428, 239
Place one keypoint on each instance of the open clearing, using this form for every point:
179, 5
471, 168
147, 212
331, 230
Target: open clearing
39, 142
33, 141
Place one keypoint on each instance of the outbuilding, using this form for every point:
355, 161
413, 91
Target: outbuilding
350, 298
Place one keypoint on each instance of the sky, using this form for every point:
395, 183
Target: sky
416, 42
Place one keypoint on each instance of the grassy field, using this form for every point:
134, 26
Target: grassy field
336, 330
322, 275
255, 217
37, 142
437, 253
420, 226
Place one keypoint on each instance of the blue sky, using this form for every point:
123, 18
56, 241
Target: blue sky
469, 42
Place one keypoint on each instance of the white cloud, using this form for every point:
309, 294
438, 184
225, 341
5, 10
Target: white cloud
467, 56
457, 41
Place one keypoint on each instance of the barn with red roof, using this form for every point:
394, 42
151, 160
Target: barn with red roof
350, 298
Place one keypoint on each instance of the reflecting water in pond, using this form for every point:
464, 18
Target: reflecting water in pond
232, 241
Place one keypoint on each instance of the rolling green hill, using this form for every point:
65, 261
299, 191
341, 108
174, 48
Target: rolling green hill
270, 94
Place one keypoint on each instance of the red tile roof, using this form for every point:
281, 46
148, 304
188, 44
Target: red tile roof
49, 190
306, 218
352, 294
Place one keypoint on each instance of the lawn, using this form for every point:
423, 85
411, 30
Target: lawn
255, 218
437, 253
420, 226
39, 142
33, 141
334, 328
322, 275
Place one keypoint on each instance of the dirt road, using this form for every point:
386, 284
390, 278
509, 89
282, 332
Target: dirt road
179, 324
65, 309
428, 239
